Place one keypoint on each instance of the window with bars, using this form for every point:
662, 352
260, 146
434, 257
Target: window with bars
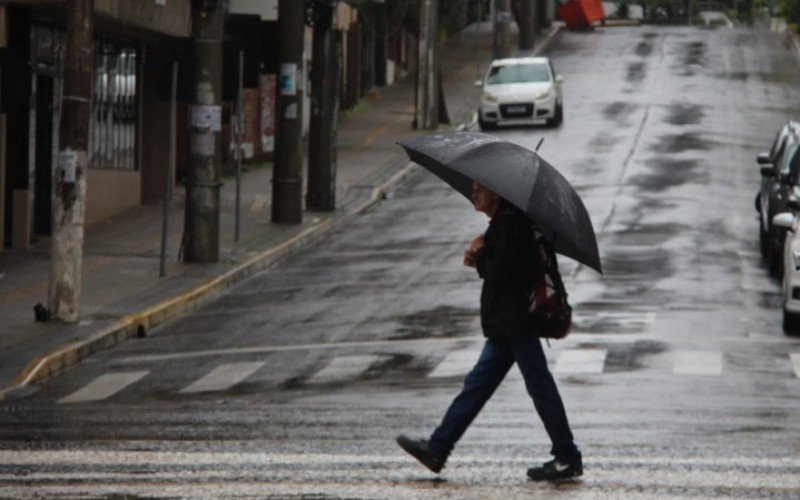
115, 109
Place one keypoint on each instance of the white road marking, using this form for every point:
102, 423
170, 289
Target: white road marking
795, 357
581, 361
697, 363
223, 377
456, 363
103, 387
576, 337
344, 368
189, 458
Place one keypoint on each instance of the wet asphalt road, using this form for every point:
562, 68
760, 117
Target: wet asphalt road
678, 380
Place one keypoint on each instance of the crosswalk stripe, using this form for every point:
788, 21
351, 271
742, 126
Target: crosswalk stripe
697, 363
223, 377
103, 387
456, 363
795, 356
581, 361
344, 367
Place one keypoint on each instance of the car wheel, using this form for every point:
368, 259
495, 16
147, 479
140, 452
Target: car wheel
791, 322
484, 125
775, 251
558, 117
763, 240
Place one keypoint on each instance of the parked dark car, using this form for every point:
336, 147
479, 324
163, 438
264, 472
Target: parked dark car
780, 170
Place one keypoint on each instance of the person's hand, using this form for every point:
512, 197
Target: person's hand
476, 244
469, 255
469, 259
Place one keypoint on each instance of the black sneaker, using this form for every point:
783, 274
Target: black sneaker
421, 450
554, 470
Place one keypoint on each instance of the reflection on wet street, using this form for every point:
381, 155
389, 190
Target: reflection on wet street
678, 380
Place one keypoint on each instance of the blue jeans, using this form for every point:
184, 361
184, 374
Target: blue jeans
497, 357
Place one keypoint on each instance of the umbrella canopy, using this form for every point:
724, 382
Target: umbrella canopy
520, 176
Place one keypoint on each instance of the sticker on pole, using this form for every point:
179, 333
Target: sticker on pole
288, 79
68, 164
208, 117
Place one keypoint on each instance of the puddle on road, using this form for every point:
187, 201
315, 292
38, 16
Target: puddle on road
603, 143
678, 143
695, 53
440, 322
636, 72
618, 111
650, 234
649, 262
644, 49
684, 114
631, 357
667, 173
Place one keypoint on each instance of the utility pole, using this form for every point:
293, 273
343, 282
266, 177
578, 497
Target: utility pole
287, 182
427, 109
379, 10
201, 238
69, 197
501, 46
527, 25
321, 193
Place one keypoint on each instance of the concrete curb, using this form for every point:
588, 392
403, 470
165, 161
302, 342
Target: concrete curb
137, 324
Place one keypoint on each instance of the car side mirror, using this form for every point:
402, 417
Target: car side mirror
763, 159
767, 172
479, 83
559, 79
784, 220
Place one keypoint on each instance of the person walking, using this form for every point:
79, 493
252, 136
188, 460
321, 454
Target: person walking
505, 258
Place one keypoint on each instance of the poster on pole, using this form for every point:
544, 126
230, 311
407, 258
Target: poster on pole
266, 89
288, 79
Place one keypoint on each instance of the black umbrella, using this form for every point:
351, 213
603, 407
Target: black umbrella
520, 176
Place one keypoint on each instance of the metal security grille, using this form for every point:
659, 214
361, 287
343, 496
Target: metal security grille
112, 134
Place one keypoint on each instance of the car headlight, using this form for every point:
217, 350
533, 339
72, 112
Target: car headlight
542, 95
489, 97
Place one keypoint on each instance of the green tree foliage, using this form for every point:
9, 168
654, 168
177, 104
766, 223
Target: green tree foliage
790, 9
452, 15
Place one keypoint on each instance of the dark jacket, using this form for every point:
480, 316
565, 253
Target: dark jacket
509, 266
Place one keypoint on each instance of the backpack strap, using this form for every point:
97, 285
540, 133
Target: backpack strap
550, 264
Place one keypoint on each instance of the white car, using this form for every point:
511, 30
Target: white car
791, 266
521, 91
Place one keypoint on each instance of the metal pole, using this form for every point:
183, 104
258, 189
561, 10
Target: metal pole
493, 17
170, 171
239, 133
287, 182
478, 42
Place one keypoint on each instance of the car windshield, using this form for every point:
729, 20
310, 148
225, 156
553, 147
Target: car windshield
777, 146
790, 160
518, 73
793, 163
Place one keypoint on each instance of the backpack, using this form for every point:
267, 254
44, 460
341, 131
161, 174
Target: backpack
549, 311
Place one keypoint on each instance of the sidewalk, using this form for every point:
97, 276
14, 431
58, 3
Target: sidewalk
123, 295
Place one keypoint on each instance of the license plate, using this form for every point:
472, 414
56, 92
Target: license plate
516, 109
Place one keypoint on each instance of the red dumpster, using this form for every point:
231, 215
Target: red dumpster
580, 14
